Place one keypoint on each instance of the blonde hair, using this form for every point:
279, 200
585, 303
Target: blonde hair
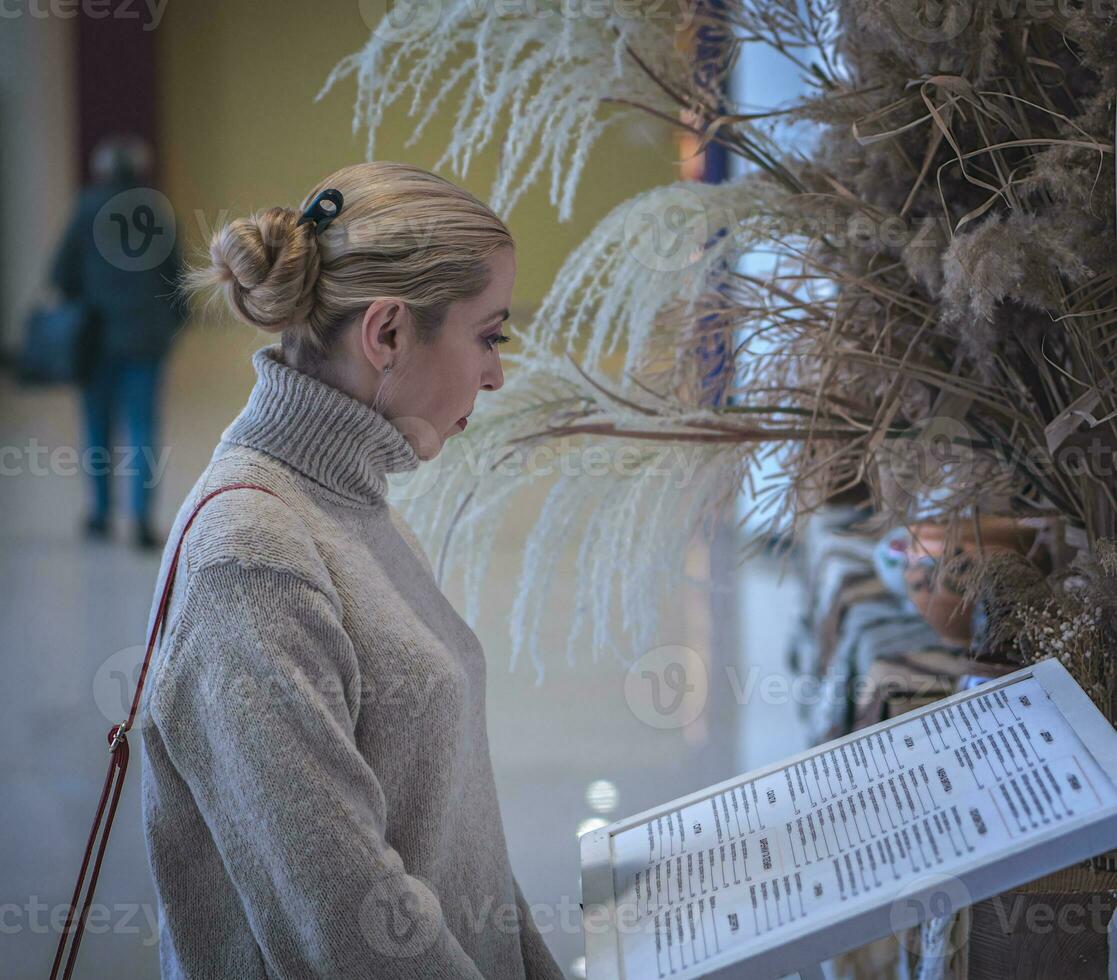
402, 231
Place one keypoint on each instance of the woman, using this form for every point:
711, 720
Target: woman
318, 795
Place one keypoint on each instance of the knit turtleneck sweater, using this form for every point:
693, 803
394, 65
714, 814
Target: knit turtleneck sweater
318, 796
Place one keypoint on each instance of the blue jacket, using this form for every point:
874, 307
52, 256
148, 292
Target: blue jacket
123, 263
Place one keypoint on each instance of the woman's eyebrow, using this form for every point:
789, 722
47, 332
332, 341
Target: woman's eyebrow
503, 314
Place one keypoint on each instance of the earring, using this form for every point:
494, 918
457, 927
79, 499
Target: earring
388, 369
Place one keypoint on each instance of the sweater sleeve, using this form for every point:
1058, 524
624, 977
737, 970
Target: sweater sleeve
252, 701
539, 964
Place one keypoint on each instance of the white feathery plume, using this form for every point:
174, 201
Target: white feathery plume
549, 79
662, 248
544, 86
637, 510
635, 522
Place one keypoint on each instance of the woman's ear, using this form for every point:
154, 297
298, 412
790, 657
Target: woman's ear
382, 331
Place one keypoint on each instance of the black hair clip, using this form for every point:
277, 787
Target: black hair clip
323, 209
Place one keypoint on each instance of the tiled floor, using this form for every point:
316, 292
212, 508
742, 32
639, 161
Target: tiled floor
74, 615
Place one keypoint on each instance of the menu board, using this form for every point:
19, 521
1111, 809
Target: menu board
776, 870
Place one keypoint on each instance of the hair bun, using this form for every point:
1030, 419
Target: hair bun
268, 267
405, 233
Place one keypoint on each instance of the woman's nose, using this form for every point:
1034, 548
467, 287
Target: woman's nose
493, 378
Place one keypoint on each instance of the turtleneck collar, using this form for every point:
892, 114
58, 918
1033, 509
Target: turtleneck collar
325, 434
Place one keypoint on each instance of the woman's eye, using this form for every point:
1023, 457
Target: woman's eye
495, 339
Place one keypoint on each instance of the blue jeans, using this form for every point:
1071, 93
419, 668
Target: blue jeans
116, 386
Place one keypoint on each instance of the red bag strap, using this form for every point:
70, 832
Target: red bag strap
118, 750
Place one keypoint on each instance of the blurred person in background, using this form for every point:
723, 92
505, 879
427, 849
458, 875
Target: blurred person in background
118, 257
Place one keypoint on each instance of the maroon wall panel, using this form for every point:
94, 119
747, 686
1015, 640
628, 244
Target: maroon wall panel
115, 79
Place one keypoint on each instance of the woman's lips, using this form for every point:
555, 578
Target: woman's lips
463, 422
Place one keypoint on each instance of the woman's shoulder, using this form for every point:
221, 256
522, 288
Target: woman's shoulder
253, 514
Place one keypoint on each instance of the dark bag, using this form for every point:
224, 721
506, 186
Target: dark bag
59, 344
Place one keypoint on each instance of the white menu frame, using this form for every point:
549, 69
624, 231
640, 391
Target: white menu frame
1076, 840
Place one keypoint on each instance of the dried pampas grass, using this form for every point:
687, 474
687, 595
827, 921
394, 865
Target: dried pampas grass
920, 303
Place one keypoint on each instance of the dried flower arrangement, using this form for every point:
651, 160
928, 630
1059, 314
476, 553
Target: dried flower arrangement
935, 321
1070, 614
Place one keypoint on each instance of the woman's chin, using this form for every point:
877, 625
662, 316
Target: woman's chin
423, 437
430, 448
